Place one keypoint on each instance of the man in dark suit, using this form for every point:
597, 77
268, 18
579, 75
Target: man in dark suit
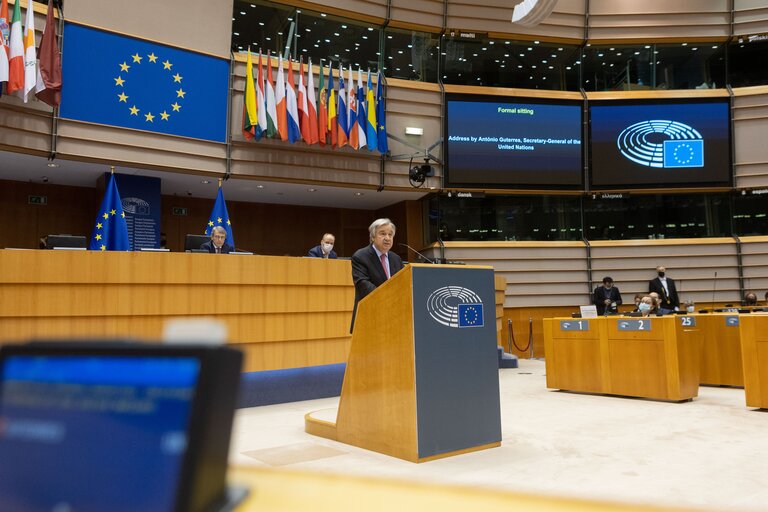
665, 287
218, 244
325, 249
374, 264
607, 297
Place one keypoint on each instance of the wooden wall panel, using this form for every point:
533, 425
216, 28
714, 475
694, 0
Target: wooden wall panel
750, 159
428, 13
754, 251
613, 20
565, 22
750, 17
173, 22
691, 264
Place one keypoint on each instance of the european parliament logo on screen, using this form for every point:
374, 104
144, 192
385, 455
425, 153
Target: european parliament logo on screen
131, 83
456, 306
662, 144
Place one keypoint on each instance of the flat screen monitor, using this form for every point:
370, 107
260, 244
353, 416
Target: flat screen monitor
66, 241
652, 144
195, 241
504, 142
119, 427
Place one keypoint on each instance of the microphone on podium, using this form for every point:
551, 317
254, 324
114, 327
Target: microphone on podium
714, 287
434, 262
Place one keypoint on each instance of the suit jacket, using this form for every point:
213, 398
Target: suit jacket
368, 274
670, 301
225, 249
317, 252
601, 293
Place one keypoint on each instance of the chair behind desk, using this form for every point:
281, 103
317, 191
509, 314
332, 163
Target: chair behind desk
192, 242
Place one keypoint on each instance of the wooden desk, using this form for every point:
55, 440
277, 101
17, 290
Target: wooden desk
659, 360
754, 350
720, 351
293, 491
282, 312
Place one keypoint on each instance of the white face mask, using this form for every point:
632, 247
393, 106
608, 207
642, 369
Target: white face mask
327, 248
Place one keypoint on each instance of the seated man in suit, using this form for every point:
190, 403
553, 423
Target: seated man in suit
218, 244
375, 263
325, 249
607, 297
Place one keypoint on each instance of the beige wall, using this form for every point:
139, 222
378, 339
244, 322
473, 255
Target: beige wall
200, 25
543, 274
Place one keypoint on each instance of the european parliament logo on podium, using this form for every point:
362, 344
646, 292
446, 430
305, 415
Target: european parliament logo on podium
456, 306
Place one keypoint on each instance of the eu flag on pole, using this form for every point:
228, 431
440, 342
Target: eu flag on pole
220, 217
121, 81
111, 231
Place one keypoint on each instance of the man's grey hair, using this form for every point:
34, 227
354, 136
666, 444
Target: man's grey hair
218, 229
378, 223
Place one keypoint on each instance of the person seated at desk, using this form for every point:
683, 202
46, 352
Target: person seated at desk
656, 304
607, 297
646, 306
218, 244
638, 300
325, 249
750, 299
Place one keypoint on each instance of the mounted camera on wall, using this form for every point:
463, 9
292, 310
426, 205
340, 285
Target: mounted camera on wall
418, 174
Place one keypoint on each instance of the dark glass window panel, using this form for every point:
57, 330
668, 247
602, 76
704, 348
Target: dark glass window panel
653, 66
506, 63
657, 216
266, 26
510, 218
750, 214
747, 57
411, 55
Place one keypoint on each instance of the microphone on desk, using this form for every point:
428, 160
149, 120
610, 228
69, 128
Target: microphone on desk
434, 262
714, 287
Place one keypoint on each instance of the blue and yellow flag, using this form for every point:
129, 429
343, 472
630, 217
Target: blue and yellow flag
121, 81
111, 231
220, 217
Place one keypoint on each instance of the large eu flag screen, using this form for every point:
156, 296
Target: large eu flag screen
660, 143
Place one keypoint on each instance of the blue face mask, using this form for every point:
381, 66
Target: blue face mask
643, 306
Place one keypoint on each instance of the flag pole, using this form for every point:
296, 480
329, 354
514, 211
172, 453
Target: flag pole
111, 169
220, 181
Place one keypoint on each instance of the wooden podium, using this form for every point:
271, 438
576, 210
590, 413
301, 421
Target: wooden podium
422, 374
754, 351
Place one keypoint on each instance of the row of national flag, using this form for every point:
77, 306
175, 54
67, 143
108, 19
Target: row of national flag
352, 115
19, 66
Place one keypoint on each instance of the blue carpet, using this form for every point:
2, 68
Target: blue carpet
291, 385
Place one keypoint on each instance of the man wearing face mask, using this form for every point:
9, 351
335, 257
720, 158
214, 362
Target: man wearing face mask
665, 287
607, 297
325, 249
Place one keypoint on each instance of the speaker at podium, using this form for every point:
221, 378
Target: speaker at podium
422, 376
